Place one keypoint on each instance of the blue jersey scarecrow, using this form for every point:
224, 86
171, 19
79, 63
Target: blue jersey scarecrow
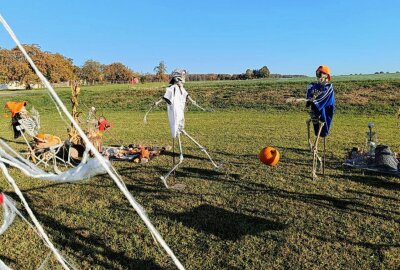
321, 99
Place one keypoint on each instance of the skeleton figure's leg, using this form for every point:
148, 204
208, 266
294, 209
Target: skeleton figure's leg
316, 158
54, 158
201, 148
164, 178
308, 122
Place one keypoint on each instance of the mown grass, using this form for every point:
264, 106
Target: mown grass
244, 216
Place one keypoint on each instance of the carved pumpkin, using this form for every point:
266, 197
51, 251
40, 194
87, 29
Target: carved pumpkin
269, 156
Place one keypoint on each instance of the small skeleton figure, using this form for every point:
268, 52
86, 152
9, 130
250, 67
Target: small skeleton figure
321, 99
175, 96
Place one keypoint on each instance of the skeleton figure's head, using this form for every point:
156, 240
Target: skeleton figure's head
178, 76
323, 74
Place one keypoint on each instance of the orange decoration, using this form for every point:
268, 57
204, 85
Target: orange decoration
15, 107
269, 156
46, 140
144, 152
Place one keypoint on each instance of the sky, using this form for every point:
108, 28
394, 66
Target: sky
219, 36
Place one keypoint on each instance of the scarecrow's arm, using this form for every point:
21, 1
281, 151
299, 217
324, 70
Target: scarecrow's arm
197, 105
151, 108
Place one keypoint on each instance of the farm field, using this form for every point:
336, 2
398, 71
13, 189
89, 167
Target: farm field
245, 215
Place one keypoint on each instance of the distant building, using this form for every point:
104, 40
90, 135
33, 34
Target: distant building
19, 86
22, 86
134, 80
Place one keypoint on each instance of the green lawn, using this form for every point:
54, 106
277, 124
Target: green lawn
244, 216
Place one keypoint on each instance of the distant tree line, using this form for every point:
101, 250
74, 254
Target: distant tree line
382, 72
249, 74
161, 75
57, 68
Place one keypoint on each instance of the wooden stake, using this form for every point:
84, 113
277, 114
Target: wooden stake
323, 158
173, 156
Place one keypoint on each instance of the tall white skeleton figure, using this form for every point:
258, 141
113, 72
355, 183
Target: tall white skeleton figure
175, 96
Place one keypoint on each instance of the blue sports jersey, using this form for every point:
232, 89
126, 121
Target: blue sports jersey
323, 105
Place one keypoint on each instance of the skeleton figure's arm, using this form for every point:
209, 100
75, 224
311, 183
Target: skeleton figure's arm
296, 100
197, 105
151, 108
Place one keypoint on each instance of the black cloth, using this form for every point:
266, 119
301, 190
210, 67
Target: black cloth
15, 124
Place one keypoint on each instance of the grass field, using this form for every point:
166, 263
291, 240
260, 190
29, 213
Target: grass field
243, 216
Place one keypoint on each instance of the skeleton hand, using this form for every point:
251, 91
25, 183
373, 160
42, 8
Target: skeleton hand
198, 106
296, 100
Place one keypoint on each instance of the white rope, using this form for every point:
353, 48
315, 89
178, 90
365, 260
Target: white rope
58, 108
8, 214
117, 179
3, 266
32, 216
13, 209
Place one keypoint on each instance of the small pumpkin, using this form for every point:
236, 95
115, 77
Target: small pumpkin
269, 156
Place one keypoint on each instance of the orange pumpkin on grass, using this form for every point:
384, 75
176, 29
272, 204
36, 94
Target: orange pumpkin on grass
269, 156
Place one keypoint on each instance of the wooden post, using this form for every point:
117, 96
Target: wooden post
73, 133
323, 158
173, 157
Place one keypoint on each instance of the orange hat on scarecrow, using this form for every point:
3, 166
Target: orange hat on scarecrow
325, 70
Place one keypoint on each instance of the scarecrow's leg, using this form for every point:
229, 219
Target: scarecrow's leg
164, 178
308, 122
316, 158
201, 148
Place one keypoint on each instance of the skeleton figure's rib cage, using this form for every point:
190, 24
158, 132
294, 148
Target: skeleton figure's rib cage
106, 167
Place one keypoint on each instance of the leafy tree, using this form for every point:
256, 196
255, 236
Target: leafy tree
117, 72
264, 72
147, 77
4, 56
256, 73
248, 74
14, 67
92, 71
59, 68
